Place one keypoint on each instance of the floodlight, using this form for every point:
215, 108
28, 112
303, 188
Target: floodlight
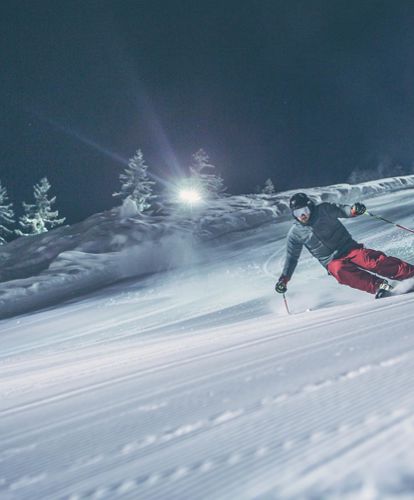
190, 196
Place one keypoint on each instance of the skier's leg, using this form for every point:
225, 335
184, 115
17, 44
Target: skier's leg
347, 273
379, 263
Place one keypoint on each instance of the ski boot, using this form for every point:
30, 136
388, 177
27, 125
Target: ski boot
384, 290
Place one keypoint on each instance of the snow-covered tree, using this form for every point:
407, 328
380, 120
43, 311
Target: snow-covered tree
386, 168
269, 187
6, 215
39, 216
210, 184
136, 184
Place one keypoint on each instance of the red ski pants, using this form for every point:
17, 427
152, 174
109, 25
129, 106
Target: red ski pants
351, 269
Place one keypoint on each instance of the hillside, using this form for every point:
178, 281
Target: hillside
193, 382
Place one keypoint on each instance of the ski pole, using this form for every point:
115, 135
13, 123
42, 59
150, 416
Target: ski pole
389, 222
286, 304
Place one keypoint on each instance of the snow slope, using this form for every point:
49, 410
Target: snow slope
195, 383
39, 270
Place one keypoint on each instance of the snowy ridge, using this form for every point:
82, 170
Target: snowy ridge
109, 246
244, 212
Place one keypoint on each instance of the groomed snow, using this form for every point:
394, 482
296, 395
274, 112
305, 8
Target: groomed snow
190, 380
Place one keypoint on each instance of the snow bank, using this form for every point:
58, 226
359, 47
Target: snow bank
113, 245
238, 213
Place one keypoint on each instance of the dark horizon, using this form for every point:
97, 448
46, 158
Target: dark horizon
301, 92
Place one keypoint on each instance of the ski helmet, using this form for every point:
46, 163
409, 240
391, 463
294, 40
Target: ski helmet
300, 200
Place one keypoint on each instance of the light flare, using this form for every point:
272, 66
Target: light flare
190, 196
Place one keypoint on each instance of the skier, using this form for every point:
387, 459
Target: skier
318, 229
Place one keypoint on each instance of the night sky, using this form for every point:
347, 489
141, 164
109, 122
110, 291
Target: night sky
303, 92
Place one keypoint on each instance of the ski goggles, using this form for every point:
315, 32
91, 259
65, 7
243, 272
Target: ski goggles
301, 211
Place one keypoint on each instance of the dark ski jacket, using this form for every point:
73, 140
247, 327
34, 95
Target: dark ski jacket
324, 236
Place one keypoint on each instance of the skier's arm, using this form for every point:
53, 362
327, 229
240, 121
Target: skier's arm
344, 211
294, 247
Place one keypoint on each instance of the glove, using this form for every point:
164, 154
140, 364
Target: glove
280, 286
358, 209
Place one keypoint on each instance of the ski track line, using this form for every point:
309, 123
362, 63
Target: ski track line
208, 381
219, 329
386, 363
155, 443
197, 357
369, 452
155, 327
315, 444
146, 341
92, 329
228, 458
360, 458
124, 455
179, 363
146, 446
343, 432
185, 388
36, 317
339, 455
56, 311
265, 266
189, 360
86, 474
299, 447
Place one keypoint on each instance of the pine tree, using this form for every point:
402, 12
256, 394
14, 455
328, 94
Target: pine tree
38, 217
211, 185
6, 215
136, 184
269, 187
